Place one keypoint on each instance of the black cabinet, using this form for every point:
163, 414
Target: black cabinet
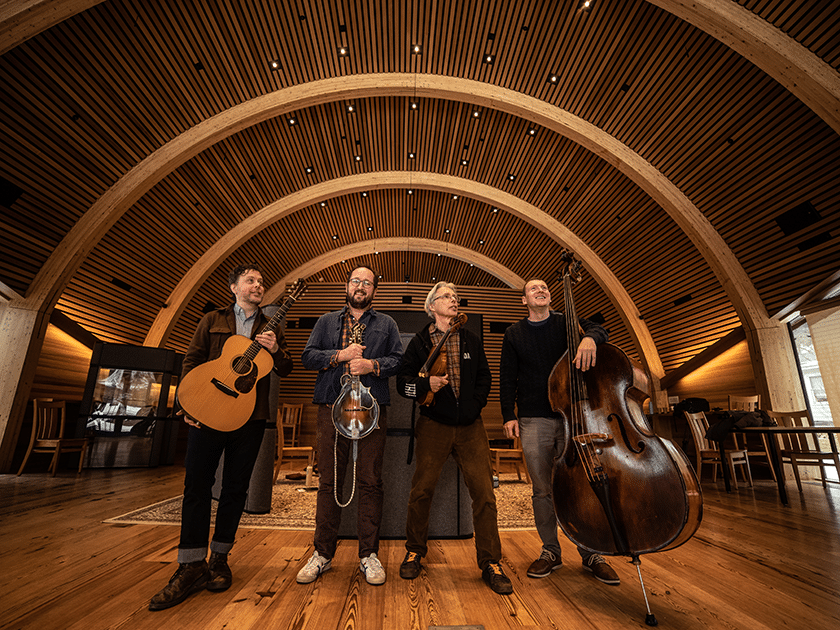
127, 406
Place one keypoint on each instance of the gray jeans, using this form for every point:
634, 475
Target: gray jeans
543, 439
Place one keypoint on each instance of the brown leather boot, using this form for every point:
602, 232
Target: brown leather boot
220, 574
190, 578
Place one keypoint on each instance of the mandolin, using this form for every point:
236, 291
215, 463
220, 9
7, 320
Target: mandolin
221, 393
355, 412
435, 365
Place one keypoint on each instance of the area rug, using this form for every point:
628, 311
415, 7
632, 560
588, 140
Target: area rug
293, 507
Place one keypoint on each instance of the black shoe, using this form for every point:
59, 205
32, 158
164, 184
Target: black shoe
220, 575
410, 567
190, 578
496, 578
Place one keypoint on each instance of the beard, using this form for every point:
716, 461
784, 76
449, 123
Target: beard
359, 299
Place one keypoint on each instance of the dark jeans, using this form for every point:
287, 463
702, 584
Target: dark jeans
471, 451
368, 484
204, 449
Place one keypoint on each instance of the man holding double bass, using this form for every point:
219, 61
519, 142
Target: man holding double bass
450, 423
333, 351
205, 445
530, 349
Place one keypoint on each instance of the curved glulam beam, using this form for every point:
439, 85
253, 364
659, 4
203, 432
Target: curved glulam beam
393, 244
801, 72
195, 277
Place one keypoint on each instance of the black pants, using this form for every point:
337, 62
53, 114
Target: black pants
204, 449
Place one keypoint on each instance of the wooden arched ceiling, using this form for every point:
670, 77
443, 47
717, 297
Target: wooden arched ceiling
655, 142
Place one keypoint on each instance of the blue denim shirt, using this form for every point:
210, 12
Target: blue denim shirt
382, 344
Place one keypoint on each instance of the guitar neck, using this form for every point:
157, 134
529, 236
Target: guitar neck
254, 349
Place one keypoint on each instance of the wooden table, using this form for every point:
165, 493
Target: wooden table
773, 447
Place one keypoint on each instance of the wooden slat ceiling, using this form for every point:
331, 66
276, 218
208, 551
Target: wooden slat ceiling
88, 99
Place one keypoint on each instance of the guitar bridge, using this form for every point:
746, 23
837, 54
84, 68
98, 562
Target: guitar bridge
225, 389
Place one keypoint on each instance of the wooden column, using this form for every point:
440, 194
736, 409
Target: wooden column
22, 331
774, 366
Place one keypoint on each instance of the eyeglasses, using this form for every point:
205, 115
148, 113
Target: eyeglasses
365, 283
448, 296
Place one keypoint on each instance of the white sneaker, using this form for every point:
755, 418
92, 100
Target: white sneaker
373, 570
316, 566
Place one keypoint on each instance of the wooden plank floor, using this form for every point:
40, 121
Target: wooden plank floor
753, 564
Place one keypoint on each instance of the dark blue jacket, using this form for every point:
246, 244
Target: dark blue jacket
382, 341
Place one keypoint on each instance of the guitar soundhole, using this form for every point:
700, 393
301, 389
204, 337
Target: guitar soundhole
242, 365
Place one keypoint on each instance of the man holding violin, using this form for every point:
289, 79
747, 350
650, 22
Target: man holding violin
332, 351
530, 349
450, 422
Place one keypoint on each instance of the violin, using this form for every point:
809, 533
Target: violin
435, 365
355, 412
618, 488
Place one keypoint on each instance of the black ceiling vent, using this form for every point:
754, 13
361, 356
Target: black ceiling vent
798, 218
208, 306
406, 299
682, 300
9, 193
121, 284
819, 239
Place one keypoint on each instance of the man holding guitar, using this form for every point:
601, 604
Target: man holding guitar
450, 423
333, 350
205, 445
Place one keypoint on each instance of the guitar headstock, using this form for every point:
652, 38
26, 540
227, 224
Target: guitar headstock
297, 289
357, 333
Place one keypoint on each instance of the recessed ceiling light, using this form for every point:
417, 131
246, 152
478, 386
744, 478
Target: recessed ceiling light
476, 114
416, 49
464, 162
532, 132
275, 64
446, 231
481, 242
553, 79
495, 210
351, 108
335, 238
323, 204
343, 51
488, 58
309, 170
414, 105
292, 120
511, 177
411, 156
454, 197
364, 194
410, 192
358, 158
370, 228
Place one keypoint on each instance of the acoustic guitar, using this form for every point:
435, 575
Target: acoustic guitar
221, 393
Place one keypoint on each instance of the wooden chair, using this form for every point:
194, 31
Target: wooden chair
48, 424
752, 403
290, 416
709, 453
304, 455
802, 449
510, 455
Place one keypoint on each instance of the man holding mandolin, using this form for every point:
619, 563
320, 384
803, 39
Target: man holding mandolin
450, 422
334, 350
205, 445
530, 349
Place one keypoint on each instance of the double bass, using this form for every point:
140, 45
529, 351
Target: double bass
619, 489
